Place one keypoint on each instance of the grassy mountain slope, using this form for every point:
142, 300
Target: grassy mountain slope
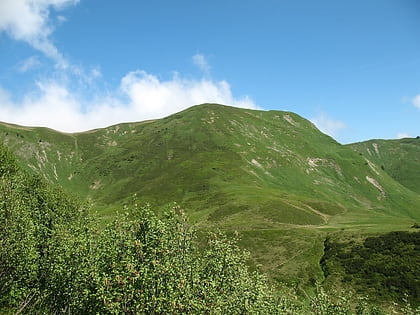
225, 164
399, 158
269, 174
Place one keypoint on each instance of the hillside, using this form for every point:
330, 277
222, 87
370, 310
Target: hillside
399, 158
271, 175
56, 259
220, 161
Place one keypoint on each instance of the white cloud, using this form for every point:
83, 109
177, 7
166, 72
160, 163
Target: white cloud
61, 19
28, 21
149, 95
328, 125
4, 98
56, 103
201, 62
144, 96
95, 73
416, 101
401, 135
29, 64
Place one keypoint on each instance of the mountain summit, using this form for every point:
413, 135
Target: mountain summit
222, 163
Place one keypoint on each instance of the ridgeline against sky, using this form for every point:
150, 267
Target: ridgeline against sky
352, 68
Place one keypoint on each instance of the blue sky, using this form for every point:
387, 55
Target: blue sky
351, 67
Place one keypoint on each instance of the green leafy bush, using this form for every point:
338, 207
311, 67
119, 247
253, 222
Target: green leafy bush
31, 215
153, 265
387, 265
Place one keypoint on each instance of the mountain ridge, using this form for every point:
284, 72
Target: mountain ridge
271, 175
203, 148
399, 158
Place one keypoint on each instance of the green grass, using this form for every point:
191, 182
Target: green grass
287, 254
399, 158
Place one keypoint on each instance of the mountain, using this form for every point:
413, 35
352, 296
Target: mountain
222, 162
271, 175
399, 158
